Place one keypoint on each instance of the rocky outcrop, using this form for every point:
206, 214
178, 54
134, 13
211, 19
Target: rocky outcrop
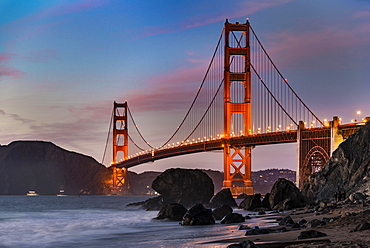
184, 186
173, 211
251, 202
198, 215
47, 168
347, 170
224, 197
285, 195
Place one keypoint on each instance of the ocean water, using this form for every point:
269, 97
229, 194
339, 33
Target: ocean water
101, 221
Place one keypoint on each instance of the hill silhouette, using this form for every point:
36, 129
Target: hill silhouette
47, 168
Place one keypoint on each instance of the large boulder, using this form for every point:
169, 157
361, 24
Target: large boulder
184, 186
347, 170
220, 212
285, 195
251, 202
224, 197
198, 215
232, 218
173, 211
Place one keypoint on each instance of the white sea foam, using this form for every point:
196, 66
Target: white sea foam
90, 221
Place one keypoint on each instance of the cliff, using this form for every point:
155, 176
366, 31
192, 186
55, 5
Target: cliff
47, 168
347, 170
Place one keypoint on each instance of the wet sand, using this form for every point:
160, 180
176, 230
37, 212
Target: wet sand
338, 231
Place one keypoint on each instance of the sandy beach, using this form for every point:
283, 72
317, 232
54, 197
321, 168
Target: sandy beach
339, 232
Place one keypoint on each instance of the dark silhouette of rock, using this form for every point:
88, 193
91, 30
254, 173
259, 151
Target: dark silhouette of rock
232, 218
173, 211
251, 202
224, 197
198, 215
357, 197
266, 201
243, 244
151, 204
184, 186
220, 212
311, 234
47, 168
347, 170
287, 220
363, 226
285, 195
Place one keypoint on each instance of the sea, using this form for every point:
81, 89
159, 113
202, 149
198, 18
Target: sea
103, 221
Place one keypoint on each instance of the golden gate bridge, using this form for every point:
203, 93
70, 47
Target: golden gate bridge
243, 101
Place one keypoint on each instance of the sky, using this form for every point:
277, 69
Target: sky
63, 63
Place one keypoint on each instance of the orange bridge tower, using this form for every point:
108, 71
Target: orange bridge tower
237, 159
120, 147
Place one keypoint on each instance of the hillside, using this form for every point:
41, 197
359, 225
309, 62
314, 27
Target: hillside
47, 168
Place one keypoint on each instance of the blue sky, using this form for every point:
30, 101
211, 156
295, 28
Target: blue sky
63, 63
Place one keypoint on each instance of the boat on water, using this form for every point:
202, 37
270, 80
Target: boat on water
61, 193
32, 193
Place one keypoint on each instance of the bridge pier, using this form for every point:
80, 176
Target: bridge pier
336, 137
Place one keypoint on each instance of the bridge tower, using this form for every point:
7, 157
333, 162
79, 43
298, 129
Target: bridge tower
120, 146
237, 159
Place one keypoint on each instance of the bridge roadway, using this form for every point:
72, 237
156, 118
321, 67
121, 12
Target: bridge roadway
217, 144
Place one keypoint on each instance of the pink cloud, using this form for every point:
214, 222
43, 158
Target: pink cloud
5, 56
6, 71
163, 91
294, 47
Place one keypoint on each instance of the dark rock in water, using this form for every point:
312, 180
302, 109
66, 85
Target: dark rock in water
315, 223
232, 218
220, 212
266, 201
346, 171
224, 197
243, 244
302, 222
198, 215
251, 202
184, 186
241, 196
286, 221
47, 168
363, 226
151, 204
173, 211
285, 195
244, 227
258, 231
311, 234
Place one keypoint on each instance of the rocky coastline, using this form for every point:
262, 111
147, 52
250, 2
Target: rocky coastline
333, 210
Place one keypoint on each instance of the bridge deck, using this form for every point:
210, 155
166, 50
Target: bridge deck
252, 140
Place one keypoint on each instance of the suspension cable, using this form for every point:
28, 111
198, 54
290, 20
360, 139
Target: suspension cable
296, 95
106, 142
199, 89
137, 129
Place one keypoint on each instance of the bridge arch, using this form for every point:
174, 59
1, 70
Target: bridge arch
315, 159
